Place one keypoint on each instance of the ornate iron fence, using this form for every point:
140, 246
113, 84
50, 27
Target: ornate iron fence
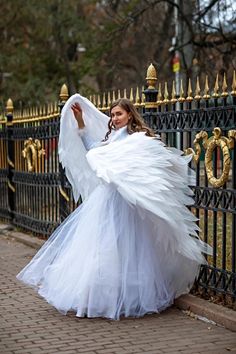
35, 195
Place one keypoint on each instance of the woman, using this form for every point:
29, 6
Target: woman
132, 247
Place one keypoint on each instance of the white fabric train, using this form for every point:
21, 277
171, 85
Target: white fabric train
132, 247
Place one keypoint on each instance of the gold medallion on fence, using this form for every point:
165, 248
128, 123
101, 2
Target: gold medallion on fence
217, 140
32, 151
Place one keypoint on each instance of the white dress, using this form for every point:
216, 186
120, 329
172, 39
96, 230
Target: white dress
131, 247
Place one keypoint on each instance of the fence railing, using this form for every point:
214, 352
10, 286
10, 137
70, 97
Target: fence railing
35, 194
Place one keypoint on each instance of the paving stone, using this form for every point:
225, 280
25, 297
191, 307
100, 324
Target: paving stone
30, 325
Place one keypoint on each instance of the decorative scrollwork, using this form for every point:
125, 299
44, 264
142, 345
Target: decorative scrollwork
32, 151
11, 186
10, 162
196, 154
63, 193
217, 140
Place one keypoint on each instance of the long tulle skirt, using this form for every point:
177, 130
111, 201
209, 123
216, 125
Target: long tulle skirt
109, 259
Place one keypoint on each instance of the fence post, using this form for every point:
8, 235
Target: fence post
150, 97
63, 198
10, 158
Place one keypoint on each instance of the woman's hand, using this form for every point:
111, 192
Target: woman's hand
78, 114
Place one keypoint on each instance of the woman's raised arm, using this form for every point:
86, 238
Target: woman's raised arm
78, 114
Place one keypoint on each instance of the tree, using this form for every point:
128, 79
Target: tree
42, 42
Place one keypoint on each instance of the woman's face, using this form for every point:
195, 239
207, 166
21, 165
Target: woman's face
120, 117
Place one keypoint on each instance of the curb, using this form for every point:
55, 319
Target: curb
9, 232
219, 314
203, 309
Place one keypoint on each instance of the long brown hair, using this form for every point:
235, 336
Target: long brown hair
135, 123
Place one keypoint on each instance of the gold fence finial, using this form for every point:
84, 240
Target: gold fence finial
104, 102
197, 90
181, 92
216, 87
137, 98
56, 107
159, 96
108, 99
113, 96
142, 97
151, 77
173, 93
9, 106
94, 100
166, 94
99, 102
64, 94
125, 93
190, 91
206, 89
224, 87
233, 92
131, 95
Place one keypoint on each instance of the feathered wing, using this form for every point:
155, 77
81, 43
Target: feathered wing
71, 150
155, 179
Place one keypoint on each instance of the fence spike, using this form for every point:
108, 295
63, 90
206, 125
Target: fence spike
224, 87
142, 97
197, 90
216, 87
113, 96
137, 98
189, 97
159, 96
233, 92
52, 108
94, 100
166, 94
173, 93
108, 99
56, 108
131, 96
119, 96
99, 101
104, 102
125, 93
206, 95
49, 109
181, 92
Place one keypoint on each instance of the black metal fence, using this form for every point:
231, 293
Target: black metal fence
36, 196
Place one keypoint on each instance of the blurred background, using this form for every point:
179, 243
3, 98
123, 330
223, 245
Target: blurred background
95, 46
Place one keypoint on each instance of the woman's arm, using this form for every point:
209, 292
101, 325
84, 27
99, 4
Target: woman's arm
78, 114
88, 142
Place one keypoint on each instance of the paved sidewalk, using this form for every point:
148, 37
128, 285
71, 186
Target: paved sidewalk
29, 325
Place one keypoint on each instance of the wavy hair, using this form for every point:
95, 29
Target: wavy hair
135, 123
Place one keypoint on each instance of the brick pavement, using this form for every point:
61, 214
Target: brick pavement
29, 325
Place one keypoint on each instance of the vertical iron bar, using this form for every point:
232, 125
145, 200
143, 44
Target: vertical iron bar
11, 161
